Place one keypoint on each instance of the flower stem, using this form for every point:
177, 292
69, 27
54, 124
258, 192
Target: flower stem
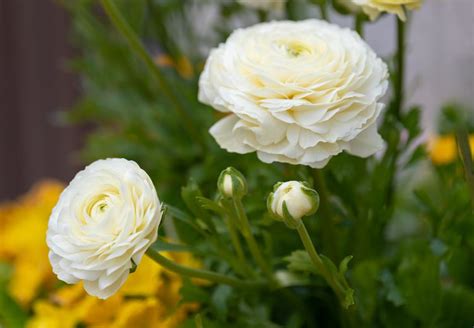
127, 32
462, 139
328, 226
323, 10
400, 67
200, 274
237, 246
249, 238
318, 262
359, 25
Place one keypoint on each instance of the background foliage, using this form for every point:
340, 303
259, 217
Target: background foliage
405, 216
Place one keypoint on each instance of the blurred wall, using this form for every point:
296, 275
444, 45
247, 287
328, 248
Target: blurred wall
34, 84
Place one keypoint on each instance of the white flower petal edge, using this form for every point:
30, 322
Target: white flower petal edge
373, 8
295, 92
106, 218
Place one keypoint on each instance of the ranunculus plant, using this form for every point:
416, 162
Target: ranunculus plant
287, 160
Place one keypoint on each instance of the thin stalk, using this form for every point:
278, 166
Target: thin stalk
400, 67
328, 233
323, 9
127, 32
462, 139
318, 262
359, 25
249, 238
200, 274
398, 104
234, 237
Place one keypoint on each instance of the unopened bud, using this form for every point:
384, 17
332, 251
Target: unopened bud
231, 183
292, 200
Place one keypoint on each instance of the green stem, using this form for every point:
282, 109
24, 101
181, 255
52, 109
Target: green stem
122, 26
359, 25
249, 238
323, 10
200, 274
462, 139
237, 246
328, 229
400, 67
318, 262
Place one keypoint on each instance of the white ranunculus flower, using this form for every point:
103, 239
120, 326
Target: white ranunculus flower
276, 5
102, 225
295, 92
373, 8
296, 196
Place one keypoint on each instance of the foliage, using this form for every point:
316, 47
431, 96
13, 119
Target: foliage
406, 223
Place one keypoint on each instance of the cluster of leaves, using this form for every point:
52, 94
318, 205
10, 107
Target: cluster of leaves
407, 223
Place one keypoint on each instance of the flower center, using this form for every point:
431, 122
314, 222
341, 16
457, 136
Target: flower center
294, 48
99, 206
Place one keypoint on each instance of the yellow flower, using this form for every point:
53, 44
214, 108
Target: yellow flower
139, 313
182, 65
51, 316
443, 149
145, 281
154, 291
23, 227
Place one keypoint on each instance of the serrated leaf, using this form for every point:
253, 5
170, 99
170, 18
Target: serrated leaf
210, 205
300, 261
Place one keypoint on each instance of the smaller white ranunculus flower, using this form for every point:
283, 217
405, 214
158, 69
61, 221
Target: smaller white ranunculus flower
102, 225
292, 200
276, 5
373, 8
231, 183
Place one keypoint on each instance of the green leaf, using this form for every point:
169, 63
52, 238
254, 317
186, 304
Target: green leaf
329, 264
457, 308
364, 278
411, 122
343, 266
210, 205
192, 293
11, 314
301, 262
220, 299
419, 282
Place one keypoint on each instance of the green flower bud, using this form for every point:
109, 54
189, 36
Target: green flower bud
292, 200
232, 183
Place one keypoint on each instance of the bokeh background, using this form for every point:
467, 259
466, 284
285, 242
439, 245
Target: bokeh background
36, 84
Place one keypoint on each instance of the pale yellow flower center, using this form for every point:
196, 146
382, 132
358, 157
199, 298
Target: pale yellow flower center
295, 48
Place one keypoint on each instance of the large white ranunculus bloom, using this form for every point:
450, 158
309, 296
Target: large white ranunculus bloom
295, 92
373, 8
102, 225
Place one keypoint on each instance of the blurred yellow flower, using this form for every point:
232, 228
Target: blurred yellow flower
149, 298
51, 316
22, 232
443, 149
183, 65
